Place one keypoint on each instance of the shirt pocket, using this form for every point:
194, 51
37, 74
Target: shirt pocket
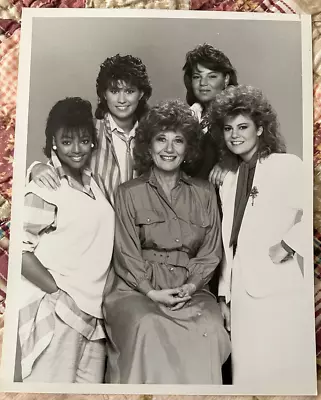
199, 225
151, 225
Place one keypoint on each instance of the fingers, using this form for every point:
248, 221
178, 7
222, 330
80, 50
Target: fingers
177, 300
178, 306
174, 291
49, 181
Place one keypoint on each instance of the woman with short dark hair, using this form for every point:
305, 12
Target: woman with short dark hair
207, 71
163, 324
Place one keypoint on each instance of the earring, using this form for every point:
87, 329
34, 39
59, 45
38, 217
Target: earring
92, 145
54, 147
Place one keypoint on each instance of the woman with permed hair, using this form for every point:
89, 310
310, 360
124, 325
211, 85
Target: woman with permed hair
163, 324
61, 328
262, 290
123, 89
207, 71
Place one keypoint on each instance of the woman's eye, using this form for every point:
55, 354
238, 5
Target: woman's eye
86, 141
242, 127
113, 91
195, 77
66, 142
227, 128
130, 91
212, 76
160, 139
179, 140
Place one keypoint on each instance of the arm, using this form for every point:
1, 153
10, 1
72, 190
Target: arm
292, 192
43, 175
128, 262
202, 267
40, 217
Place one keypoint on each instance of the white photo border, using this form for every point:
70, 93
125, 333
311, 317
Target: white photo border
11, 314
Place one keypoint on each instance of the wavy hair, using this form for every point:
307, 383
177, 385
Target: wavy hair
128, 69
250, 102
211, 58
172, 115
70, 114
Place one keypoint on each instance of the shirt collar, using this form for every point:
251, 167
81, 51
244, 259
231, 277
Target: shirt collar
114, 126
86, 176
152, 180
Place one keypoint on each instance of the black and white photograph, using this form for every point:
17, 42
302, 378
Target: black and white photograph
162, 219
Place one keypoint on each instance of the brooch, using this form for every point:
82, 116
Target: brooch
253, 193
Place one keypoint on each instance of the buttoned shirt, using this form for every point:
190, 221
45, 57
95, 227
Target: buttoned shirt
185, 230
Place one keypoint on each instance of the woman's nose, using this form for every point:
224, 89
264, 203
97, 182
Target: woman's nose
169, 146
121, 97
75, 147
234, 133
204, 81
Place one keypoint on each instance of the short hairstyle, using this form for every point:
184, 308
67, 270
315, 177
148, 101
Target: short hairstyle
172, 115
250, 102
211, 58
69, 114
128, 69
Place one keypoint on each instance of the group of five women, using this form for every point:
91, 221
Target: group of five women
126, 225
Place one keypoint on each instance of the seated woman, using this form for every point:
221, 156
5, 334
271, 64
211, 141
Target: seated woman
262, 287
65, 258
164, 326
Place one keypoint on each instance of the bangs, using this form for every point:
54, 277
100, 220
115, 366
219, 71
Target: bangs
122, 83
70, 132
212, 65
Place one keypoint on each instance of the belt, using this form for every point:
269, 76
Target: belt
174, 257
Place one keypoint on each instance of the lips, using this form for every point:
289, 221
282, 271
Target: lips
237, 142
77, 158
168, 158
122, 108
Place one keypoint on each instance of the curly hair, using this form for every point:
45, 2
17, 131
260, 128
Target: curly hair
70, 114
250, 102
171, 115
211, 58
128, 69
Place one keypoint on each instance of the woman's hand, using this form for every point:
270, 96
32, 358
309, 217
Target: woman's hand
217, 175
45, 177
278, 254
226, 314
167, 297
185, 292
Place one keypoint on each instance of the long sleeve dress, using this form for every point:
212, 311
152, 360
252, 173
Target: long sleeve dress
158, 245
271, 304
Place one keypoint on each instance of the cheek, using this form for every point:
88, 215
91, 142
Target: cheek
217, 84
134, 99
156, 148
110, 98
195, 84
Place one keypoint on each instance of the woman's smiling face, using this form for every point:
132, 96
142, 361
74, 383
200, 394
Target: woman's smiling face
207, 84
168, 150
242, 136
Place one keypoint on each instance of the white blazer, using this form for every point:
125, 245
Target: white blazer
271, 217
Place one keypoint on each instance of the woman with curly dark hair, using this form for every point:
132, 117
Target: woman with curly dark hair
61, 329
123, 89
262, 284
164, 325
207, 71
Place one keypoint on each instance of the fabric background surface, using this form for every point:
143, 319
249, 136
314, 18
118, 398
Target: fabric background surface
10, 15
